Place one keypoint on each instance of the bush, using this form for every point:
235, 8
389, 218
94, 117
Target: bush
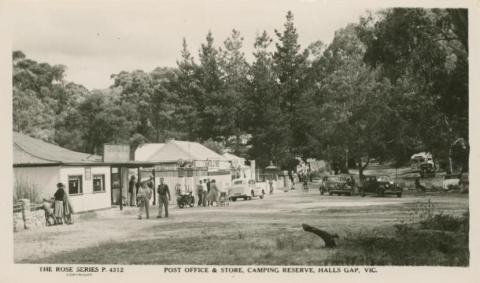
446, 222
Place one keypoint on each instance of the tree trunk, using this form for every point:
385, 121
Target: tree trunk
346, 160
361, 168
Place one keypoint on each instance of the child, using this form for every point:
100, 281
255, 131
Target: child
47, 208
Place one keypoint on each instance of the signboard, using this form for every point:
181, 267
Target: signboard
116, 152
88, 173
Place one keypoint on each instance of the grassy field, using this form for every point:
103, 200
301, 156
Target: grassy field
373, 231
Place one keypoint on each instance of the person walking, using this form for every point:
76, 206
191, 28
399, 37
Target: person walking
163, 198
143, 201
131, 185
58, 208
200, 193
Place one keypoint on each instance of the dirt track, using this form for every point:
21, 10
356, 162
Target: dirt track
278, 212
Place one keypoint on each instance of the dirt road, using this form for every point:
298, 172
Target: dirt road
262, 222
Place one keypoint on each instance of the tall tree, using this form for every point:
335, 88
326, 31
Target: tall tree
188, 96
262, 108
427, 50
39, 96
234, 69
289, 67
136, 88
212, 100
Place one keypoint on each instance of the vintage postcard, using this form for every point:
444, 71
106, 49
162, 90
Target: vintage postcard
239, 140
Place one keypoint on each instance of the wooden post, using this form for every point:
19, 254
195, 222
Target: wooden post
134, 193
121, 187
26, 213
154, 186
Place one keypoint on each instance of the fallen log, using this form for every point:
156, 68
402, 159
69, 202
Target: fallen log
328, 238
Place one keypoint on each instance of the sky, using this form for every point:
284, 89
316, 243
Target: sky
96, 39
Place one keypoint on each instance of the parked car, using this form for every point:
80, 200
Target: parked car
380, 186
246, 189
451, 182
464, 182
337, 184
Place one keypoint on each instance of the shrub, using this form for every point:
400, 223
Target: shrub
446, 222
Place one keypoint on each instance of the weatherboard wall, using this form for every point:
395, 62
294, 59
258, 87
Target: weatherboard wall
88, 199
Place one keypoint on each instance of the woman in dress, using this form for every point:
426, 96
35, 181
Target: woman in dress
67, 209
58, 209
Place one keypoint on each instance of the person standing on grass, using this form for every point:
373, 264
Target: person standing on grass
143, 201
213, 194
58, 209
200, 193
205, 192
131, 185
208, 185
163, 198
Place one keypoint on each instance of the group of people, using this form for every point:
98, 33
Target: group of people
58, 210
208, 192
144, 195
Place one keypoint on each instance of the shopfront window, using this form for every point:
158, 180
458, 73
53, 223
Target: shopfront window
75, 185
98, 183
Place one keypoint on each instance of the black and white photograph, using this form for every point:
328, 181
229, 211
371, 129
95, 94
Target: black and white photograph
239, 137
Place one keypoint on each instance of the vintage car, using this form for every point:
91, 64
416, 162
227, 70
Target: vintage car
246, 189
451, 182
380, 186
337, 184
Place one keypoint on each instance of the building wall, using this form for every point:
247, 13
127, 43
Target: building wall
43, 179
88, 200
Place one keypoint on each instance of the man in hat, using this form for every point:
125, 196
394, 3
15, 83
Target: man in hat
163, 198
58, 208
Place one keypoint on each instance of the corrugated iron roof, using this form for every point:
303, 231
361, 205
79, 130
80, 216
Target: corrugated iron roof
144, 152
230, 156
175, 150
28, 150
